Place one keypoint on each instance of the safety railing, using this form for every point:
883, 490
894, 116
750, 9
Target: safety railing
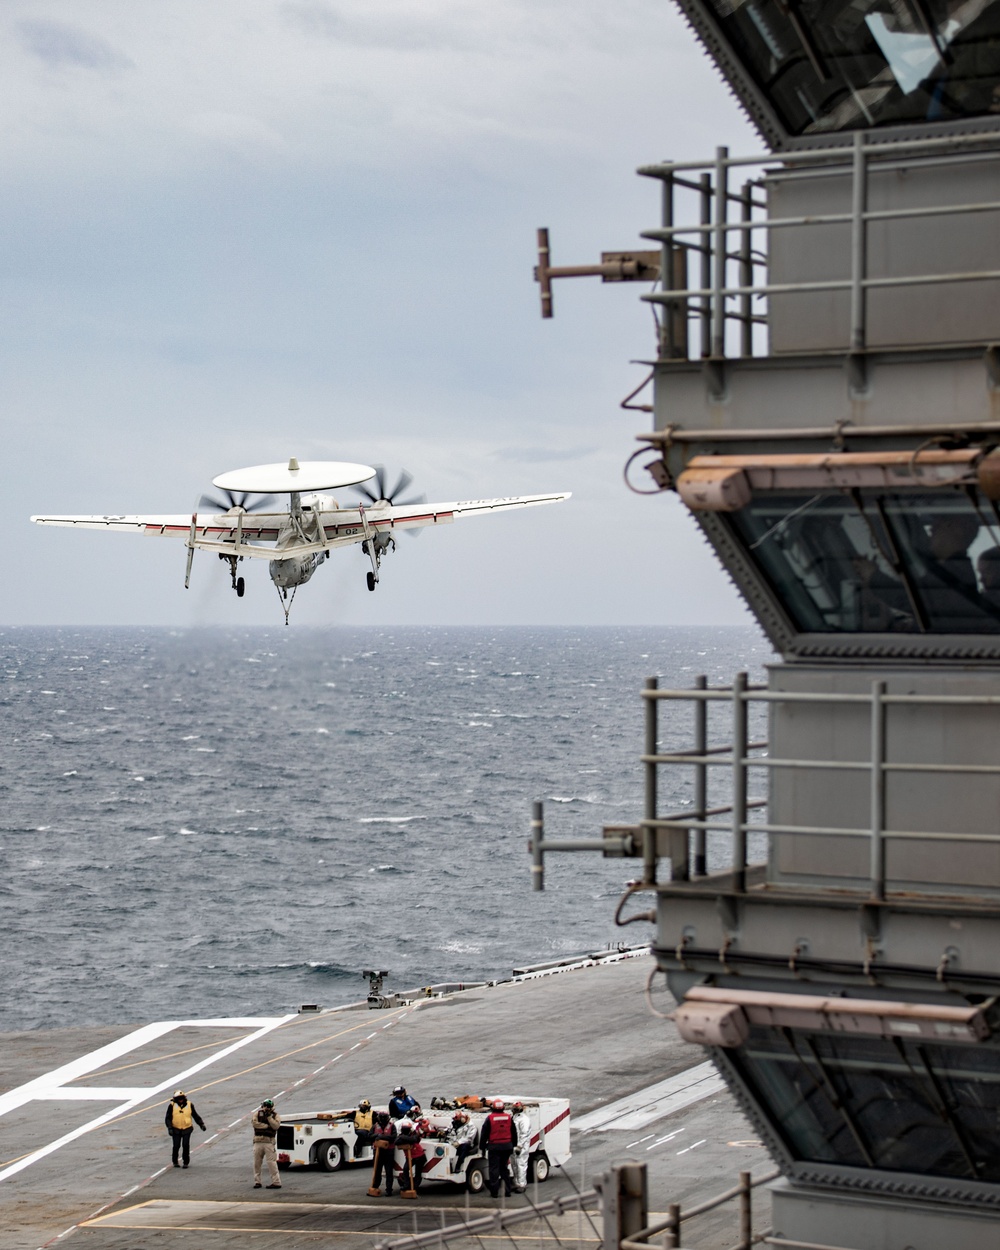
671, 1228
738, 759
681, 835
568, 1218
666, 836
730, 240
612, 1214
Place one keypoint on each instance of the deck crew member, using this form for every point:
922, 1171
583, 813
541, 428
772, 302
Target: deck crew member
462, 1136
409, 1136
180, 1119
265, 1123
363, 1122
497, 1140
384, 1144
522, 1126
401, 1104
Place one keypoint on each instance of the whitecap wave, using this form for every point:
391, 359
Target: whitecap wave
388, 820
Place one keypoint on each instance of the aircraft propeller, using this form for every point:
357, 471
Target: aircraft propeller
389, 496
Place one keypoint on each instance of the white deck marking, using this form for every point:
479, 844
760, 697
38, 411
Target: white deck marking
654, 1102
52, 1085
292, 1220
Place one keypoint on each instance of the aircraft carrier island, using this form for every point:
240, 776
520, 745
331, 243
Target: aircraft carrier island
825, 403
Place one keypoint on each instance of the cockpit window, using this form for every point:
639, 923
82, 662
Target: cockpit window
834, 66
867, 562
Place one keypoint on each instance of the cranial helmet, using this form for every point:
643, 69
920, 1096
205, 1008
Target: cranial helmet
179, 1093
461, 1117
364, 1105
497, 1104
268, 1102
398, 1091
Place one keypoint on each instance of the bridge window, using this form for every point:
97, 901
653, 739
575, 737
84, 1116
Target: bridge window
889, 1103
839, 66
866, 562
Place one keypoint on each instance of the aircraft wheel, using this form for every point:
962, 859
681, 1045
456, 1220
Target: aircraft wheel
240, 587
371, 580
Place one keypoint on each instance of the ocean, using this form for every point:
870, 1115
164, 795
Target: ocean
237, 821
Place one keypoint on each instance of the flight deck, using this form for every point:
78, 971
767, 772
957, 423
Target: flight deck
86, 1158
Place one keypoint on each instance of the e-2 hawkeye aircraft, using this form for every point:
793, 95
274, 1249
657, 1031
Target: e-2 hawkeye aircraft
313, 525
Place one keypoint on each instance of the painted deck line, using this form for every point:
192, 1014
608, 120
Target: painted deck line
654, 1102
295, 1218
50, 1086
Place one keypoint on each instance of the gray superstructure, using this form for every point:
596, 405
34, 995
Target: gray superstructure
826, 405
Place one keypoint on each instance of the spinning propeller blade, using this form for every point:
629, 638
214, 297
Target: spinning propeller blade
238, 499
391, 496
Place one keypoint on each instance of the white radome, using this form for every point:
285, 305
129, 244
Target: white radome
309, 475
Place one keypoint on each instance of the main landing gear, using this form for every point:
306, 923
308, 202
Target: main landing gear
239, 585
374, 549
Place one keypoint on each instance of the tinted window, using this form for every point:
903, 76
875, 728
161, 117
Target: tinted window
847, 66
889, 1103
868, 563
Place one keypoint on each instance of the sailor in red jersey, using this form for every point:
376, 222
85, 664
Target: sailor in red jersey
497, 1140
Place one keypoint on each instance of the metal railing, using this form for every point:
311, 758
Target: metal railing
613, 1213
681, 836
738, 759
546, 1215
670, 1228
733, 232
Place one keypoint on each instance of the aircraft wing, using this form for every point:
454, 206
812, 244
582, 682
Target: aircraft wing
343, 525
262, 526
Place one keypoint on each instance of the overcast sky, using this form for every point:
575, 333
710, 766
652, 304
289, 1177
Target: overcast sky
240, 231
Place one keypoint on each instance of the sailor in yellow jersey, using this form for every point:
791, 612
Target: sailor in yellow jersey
363, 1124
180, 1118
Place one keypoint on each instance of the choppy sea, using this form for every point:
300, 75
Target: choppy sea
219, 822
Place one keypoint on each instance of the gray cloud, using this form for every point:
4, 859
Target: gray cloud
56, 43
373, 30
542, 455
